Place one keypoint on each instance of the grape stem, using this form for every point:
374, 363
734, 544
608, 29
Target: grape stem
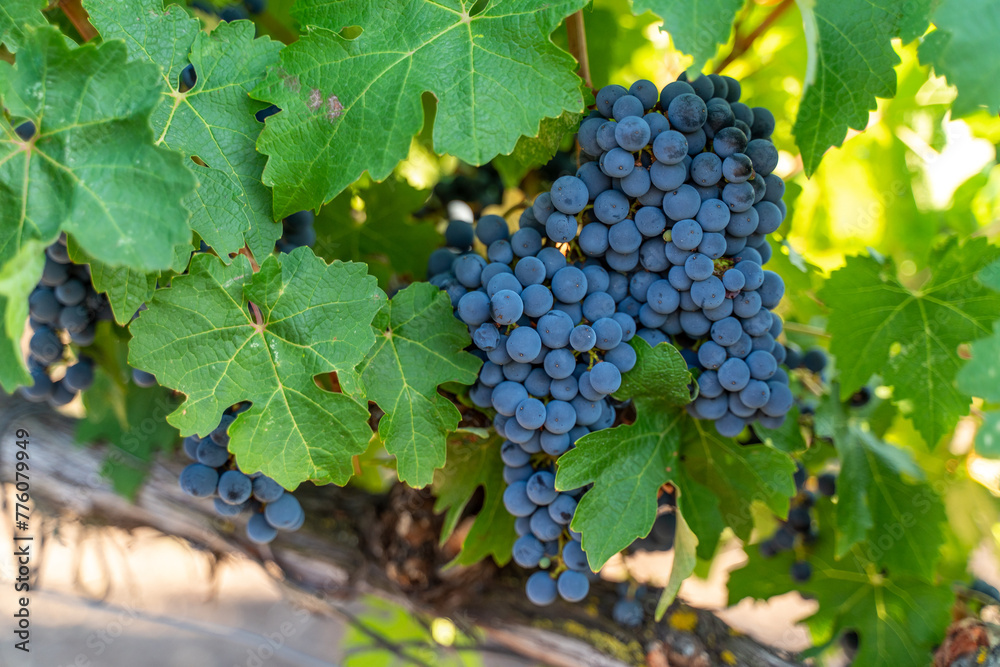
576, 36
744, 42
78, 16
256, 315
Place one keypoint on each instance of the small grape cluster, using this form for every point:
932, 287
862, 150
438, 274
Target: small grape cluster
480, 186
800, 529
676, 197
215, 473
814, 360
63, 306
297, 231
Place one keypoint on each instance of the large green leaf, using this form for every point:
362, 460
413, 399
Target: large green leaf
351, 106
214, 120
696, 27
17, 16
737, 474
910, 337
851, 62
473, 464
967, 36
899, 618
201, 338
418, 345
535, 151
384, 235
881, 497
91, 169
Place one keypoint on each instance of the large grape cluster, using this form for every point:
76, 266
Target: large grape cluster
547, 374
216, 475
661, 234
63, 307
675, 199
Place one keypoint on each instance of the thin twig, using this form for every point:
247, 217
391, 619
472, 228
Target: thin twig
805, 329
380, 639
245, 251
741, 44
78, 16
576, 36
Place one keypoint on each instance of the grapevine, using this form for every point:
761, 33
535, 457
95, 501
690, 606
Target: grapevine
500, 302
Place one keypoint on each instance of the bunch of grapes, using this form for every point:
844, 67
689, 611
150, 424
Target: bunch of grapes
553, 353
215, 473
661, 234
480, 187
63, 308
678, 196
800, 528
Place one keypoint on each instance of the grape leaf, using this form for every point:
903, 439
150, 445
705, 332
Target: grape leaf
91, 169
418, 345
351, 106
15, 17
737, 474
660, 377
199, 337
898, 617
881, 497
967, 35
702, 513
910, 336
533, 151
18, 278
685, 546
978, 376
473, 464
627, 465
383, 235
696, 27
214, 120
787, 437
988, 435
126, 289
851, 62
